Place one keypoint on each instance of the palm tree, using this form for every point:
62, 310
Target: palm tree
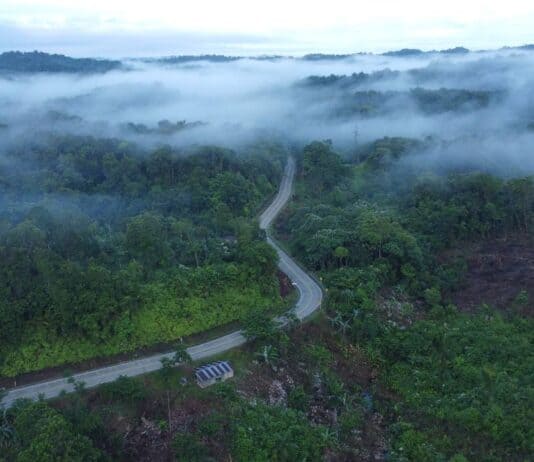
339, 323
333, 320
345, 400
347, 295
355, 313
329, 436
7, 432
343, 326
268, 355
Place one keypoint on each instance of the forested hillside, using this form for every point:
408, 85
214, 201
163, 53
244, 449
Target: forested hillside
107, 247
129, 205
381, 235
393, 370
35, 61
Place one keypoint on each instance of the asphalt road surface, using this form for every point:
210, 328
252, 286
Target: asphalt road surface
310, 297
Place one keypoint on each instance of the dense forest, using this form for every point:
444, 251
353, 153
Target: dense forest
394, 368
362, 95
373, 103
381, 236
107, 248
129, 204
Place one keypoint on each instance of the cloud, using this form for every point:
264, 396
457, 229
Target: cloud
119, 43
242, 100
125, 28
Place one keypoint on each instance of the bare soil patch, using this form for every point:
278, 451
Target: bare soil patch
349, 363
497, 271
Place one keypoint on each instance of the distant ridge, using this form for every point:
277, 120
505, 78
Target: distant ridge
321, 56
524, 47
37, 61
179, 59
213, 58
456, 50
418, 52
404, 52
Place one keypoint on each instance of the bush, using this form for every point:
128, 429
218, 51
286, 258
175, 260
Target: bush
124, 389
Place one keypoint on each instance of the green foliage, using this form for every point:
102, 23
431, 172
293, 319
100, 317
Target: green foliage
181, 355
164, 318
147, 240
271, 433
258, 325
349, 80
298, 399
381, 153
319, 356
106, 248
366, 326
470, 206
521, 300
269, 355
7, 431
432, 296
472, 372
463, 382
124, 389
188, 448
45, 435
322, 168
351, 422
363, 234
444, 99
411, 445
374, 103
396, 218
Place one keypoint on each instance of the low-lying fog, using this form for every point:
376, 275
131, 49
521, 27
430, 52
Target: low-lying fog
229, 103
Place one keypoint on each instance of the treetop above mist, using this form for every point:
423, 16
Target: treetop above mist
180, 59
37, 61
415, 51
164, 127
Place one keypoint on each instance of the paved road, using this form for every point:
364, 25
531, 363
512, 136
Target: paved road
310, 297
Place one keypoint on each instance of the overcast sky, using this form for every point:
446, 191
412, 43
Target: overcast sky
160, 27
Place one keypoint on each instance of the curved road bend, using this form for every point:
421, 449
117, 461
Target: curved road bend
310, 297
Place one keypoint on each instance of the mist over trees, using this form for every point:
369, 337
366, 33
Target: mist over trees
450, 96
97, 229
394, 244
129, 201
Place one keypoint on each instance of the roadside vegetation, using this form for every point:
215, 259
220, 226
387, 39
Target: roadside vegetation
107, 248
382, 235
293, 402
392, 369
117, 248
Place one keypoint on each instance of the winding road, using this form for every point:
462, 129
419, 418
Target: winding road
310, 298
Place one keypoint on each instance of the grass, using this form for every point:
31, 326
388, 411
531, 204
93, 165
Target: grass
153, 324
